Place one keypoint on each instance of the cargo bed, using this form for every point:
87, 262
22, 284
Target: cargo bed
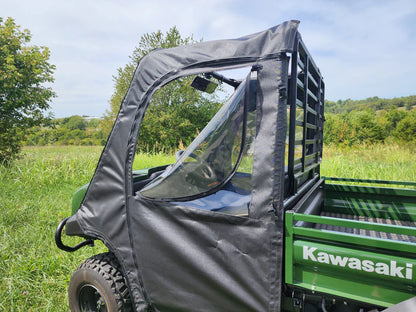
354, 241
384, 235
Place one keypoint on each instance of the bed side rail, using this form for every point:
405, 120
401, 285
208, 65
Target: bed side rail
369, 269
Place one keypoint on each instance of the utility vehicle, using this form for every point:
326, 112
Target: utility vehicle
243, 220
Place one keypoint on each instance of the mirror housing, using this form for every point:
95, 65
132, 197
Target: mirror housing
203, 84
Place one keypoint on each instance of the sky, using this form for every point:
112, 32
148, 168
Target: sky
364, 48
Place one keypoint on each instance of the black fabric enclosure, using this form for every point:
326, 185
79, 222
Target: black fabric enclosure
179, 258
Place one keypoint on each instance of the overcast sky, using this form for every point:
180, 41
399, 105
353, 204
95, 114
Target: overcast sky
363, 48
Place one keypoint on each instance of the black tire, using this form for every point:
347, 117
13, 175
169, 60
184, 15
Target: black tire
99, 286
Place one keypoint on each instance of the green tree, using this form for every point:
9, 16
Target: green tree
24, 98
175, 115
336, 130
176, 112
365, 127
393, 117
406, 128
75, 123
148, 42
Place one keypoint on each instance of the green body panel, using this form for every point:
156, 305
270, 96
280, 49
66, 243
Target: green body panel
364, 268
352, 273
79, 195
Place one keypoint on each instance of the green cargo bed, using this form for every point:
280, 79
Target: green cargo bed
384, 235
356, 242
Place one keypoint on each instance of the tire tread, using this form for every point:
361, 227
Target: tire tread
107, 266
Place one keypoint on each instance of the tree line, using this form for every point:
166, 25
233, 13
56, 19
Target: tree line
374, 103
345, 128
177, 113
25, 95
175, 116
74, 130
369, 126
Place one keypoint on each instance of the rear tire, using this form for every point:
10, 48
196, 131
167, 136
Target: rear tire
99, 286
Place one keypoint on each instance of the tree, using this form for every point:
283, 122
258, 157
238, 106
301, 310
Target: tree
148, 42
176, 114
393, 117
24, 69
174, 107
406, 128
336, 130
365, 127
75, 123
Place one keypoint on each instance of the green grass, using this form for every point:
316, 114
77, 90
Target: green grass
36, 194
380, 162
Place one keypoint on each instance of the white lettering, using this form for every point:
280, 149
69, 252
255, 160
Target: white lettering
395, 270
382, 268
354, 263
357, 264
323, 257
409, 272
368, 266
337, 260
308, 253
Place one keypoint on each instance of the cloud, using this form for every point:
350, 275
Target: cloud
364, 48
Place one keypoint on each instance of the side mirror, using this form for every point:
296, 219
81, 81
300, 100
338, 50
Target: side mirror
203, 84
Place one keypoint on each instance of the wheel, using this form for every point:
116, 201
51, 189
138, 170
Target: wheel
98, 286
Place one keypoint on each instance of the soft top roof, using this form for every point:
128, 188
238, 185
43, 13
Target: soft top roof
265, 44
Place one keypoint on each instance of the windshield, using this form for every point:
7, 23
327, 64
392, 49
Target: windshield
209, 160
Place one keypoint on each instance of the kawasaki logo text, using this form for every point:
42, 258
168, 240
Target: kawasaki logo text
390, 269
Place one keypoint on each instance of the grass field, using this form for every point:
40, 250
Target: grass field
36, 194
381, 162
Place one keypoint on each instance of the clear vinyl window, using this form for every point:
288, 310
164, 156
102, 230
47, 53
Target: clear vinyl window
223, 150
